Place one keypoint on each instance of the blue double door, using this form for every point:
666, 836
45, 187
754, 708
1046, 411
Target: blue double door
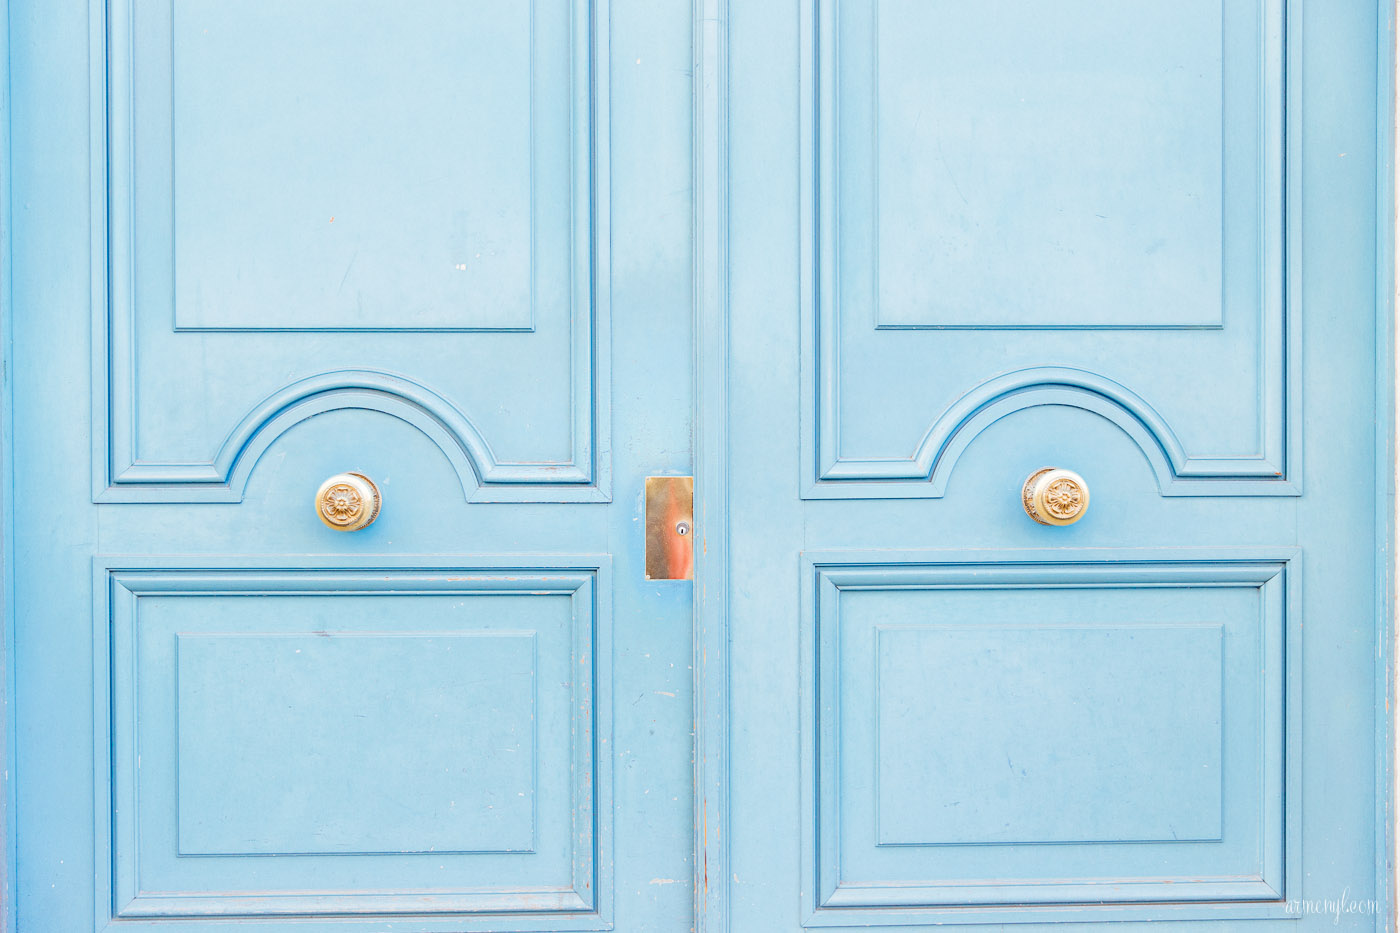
276, 266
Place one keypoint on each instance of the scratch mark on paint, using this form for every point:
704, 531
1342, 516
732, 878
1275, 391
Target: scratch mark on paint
348, 266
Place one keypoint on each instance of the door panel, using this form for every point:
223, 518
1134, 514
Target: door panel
466, 187
965, 206
407, 240
441, 173
971, 716
355, 724
1138, 243
935, 137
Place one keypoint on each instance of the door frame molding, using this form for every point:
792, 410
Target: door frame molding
1387, 570
8, 805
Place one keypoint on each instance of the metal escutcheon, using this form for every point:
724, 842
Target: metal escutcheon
348, 502
1055, 497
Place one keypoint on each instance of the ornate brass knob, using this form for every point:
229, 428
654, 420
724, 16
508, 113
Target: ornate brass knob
348, 501
1055, 497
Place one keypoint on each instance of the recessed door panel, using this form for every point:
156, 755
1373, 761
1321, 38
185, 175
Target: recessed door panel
1043, 195
949, 697
338, 736
405, 208
1009, 203
994, 733
300, 735
391, 189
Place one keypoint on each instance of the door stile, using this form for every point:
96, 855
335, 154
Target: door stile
7, 616
711, 615
1387, 468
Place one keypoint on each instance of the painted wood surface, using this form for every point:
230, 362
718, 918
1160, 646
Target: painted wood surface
940, 712
861, 266
301, 239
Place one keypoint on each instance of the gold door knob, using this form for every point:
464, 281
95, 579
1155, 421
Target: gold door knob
348, 501
1055, 497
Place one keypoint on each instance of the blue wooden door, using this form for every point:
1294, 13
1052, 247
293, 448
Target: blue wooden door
442, 244
1135, 241
451, 246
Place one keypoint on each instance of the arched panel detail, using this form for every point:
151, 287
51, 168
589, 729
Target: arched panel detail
937, 453
414, 404
917, 287
943, 445
167, 299
226, 477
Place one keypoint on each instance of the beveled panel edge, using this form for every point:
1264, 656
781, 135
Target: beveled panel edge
120, 475
1276, 571
585, 578
1277, 472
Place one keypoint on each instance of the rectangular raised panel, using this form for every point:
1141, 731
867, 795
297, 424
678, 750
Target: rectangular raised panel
1044, 166
1008, 729
291, 744
277, 184
1012, 734
406, 739
1014, 206
367, 165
